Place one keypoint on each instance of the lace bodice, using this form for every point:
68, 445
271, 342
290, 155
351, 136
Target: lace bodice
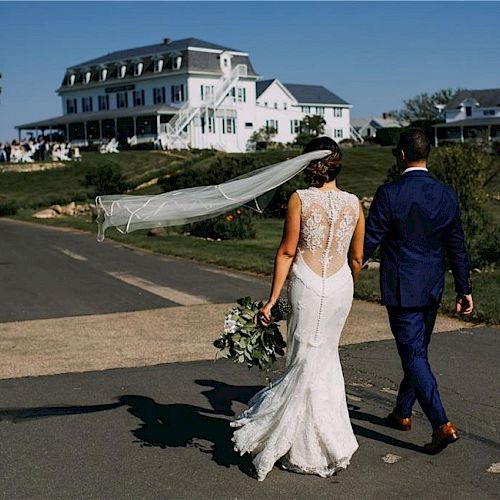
328, 220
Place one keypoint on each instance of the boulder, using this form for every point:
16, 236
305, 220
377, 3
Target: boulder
48, 213
57, 208
157, 231
68, 209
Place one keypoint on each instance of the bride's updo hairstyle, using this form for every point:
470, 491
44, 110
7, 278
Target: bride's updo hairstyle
318, 172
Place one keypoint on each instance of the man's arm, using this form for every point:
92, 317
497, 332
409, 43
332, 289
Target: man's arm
459, 263
377, 223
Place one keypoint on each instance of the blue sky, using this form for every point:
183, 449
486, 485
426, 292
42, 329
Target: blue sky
373, 54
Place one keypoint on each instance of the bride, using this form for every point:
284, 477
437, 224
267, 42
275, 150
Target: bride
302, 420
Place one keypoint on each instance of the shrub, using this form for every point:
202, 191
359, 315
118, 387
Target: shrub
388, 136
238, 225
465, 168
106, 179
8, 208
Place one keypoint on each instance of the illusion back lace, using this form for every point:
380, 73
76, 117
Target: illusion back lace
328, 220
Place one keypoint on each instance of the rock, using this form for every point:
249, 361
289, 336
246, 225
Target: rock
69, 209
57, 208
48, 213
157, 231
390, 458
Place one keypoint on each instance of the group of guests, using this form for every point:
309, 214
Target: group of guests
38, 150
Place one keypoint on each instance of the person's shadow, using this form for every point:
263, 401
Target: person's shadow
183, 425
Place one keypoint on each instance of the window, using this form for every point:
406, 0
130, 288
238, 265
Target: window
176, 62
265, 104
272, 125
242, 94
489, 112
225, 62
86, 104
468, 110
122, 99
285, 105
320, 110
229, 126
139, 98
275, 105
87, 77
207, 92
103, 102
122, 71
138, 69
72, 79
71, 106
338, 133
159, 96
306, 109
177, 93
295, 126
103, 74
158, 65
337, 112
248, 125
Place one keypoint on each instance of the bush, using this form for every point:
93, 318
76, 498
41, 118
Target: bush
238, 225
8, 208
388, 136
465, 168
106, 179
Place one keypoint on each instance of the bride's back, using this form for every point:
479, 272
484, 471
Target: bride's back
328, 220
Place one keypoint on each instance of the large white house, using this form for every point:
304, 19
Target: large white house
471, 115
187, 93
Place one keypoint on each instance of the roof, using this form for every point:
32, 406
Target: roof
313, 94
159, 48
379, 122
359, 122
99, 115
471, 122
262, 85
487, 98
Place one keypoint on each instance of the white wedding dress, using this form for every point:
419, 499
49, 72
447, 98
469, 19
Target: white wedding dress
302, 420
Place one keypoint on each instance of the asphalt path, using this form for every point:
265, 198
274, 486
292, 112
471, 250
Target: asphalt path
48, 273
163, 431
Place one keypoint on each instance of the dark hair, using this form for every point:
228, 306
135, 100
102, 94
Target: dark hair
415, 144
325, 169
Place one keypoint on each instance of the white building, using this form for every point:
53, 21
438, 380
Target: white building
187, 93
471, 115
367, 127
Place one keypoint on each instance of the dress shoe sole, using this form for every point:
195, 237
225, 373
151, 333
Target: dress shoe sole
438, 449
395, 425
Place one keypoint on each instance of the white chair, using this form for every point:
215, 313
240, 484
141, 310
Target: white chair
112, 146
64, 153
76, 155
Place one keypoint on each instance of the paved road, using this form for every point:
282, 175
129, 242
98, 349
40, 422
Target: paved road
162, 432
48, 274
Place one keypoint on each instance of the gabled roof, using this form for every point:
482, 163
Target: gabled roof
160, 48
313, 94
487, 98
262, 85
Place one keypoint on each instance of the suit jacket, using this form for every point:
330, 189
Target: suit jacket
416, 220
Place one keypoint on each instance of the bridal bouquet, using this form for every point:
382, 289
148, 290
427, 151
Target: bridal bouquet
246, 340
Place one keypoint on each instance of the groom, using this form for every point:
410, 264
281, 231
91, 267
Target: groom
416, 220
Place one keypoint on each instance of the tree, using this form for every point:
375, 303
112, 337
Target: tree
422, 107
311, 126
261, 138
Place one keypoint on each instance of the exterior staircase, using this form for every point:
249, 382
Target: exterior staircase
355, 135
175, 135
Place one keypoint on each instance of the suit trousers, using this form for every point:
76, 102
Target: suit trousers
412, 329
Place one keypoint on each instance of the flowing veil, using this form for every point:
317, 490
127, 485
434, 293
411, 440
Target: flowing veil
131, 212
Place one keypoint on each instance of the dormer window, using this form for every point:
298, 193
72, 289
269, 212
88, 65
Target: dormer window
158, 65
138, 69
103, 74
72, 79
225, 62
87, 76
176, 62
122, 71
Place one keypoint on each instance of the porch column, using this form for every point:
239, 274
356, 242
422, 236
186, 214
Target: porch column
158, 125
85, 133
489, 133
435, 137
135, 125
461, 133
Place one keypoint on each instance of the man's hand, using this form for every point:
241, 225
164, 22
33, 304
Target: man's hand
464, 304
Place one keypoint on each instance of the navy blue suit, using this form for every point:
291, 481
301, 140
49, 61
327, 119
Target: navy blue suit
416, 221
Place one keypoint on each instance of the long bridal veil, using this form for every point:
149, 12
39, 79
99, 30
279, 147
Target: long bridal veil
131, 212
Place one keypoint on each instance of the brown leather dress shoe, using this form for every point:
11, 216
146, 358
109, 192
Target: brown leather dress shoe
397, 422
441, 438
